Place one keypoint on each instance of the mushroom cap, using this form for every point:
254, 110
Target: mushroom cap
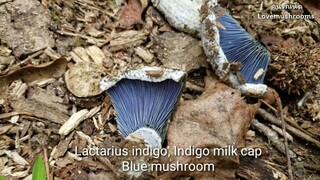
239, 46
144, 100
146, 73
144, 104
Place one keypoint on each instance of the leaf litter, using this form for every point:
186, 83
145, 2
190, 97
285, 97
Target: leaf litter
37, 97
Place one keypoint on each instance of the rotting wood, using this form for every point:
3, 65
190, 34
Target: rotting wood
256, 169
126, 39
38, 109
144, 54
193, 87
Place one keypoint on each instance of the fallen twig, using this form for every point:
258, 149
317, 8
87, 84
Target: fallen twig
269, 117
271, 135
279, 131
312, 167
46, 163
98, 42
23, 62
194, 87
285, 138
289, 121
10, 114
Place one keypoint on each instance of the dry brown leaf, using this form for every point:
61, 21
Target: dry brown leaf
62, 147
313, 6
131, 14
216, 119
31, 73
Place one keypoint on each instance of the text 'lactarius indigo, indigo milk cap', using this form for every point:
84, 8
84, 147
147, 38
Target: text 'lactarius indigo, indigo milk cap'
144, 99
239, 46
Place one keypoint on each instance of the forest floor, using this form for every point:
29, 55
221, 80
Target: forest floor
53, 54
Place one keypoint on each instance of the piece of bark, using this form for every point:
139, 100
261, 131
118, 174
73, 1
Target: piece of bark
180, 51
256, 169
126, 39
39, 110
144, 54
62, 147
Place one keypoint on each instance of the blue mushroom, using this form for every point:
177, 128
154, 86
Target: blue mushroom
239, 46
144, 103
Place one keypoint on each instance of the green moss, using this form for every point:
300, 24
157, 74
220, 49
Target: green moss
55, 17
78, 41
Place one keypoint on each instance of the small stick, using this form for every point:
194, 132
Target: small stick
98, 42
289, 121
31, 57
279, 131
271, 135
46, 163
303, 99
10, 114
267, 116
25, 61
285, 138
312, 167
194, 87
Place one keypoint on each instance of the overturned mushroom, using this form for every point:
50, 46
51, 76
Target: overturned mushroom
224, 42
144, 100
239, 46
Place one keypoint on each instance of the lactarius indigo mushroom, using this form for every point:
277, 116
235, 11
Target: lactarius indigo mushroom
224, 42
239, 46
144, 99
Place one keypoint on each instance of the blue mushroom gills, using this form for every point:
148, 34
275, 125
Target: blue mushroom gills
144, 105
239, 46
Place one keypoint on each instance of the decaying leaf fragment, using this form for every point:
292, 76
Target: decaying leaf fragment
219, 118
54, 69
131, 13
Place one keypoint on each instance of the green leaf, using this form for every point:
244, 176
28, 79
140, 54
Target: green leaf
3, 178
39, 169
